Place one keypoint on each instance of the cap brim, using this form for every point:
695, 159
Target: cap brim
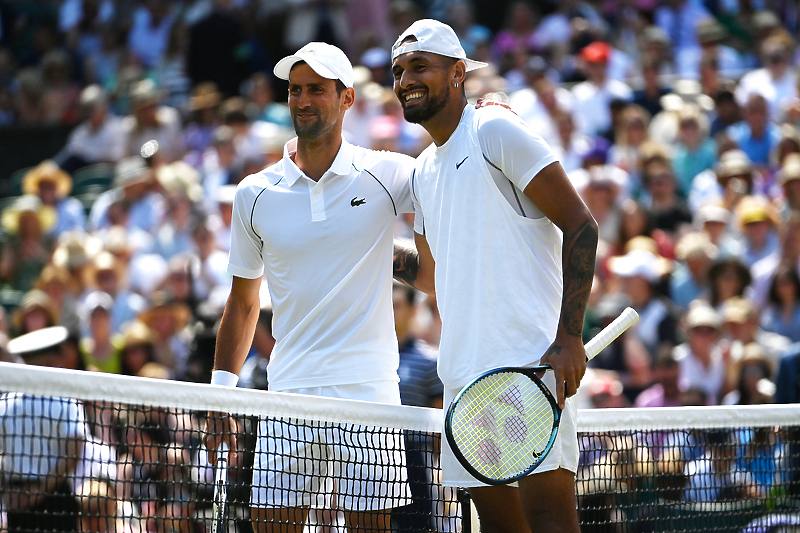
474, 65
284, 67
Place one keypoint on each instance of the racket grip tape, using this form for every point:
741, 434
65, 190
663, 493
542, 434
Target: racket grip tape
625, 320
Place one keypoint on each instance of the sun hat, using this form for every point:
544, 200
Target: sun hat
27, 203
47, 171
435, 37
325, 59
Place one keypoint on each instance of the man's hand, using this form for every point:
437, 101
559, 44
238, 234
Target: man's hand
220, 427
567, 357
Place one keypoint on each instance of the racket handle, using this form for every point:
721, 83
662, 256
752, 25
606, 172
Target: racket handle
628, 318
218, 524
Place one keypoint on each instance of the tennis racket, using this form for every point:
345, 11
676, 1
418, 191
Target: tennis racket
503, 424
220, 523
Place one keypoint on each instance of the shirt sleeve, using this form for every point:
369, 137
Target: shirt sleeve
511, 145
394, 172
245, 259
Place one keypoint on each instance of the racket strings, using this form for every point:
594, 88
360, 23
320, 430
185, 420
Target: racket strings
502, 425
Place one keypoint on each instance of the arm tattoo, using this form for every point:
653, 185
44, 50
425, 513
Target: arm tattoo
405, 264
580, 248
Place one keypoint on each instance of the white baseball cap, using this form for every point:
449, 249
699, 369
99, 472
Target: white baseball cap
325, 59
435, 37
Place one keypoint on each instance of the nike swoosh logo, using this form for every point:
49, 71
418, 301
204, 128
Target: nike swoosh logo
462, 162
355, 202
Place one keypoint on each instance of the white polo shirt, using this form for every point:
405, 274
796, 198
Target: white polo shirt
326, 250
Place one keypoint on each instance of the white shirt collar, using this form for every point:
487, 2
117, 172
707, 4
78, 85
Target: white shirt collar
341, 165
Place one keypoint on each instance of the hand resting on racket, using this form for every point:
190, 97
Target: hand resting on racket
220, 427
567, 357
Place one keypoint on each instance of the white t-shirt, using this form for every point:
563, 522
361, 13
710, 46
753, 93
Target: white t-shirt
498, 259
34, 431
326, 250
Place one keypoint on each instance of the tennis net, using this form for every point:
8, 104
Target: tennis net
115, 453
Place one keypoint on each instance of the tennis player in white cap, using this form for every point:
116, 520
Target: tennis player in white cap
318, 225
514, 249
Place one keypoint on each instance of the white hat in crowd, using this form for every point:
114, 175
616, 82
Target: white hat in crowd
325, 59
640, 263
435, 37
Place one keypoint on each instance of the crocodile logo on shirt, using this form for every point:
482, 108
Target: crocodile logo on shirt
356, 201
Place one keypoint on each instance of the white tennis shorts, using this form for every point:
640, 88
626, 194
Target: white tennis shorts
564, 453
298, 465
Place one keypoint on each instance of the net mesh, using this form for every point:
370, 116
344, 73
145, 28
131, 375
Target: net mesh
82, 451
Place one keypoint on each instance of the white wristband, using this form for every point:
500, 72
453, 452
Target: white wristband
224, 378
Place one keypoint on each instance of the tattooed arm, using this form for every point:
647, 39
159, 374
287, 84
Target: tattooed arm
414, 266
553, 193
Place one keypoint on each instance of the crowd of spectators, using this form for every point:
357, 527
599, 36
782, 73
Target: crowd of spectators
676, 120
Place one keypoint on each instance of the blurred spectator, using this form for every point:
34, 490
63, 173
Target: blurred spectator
137, 348
628, 141
52, 185
100, 509
715, 221
209, 269
198, 133
727, 111
728, 277
217, 51
776, 82
649, 95
732, 179
262, 104
150, 120
788, 252
99, 139
516, 37
639, 271
572, 145
679, 19
715, 476
758, 224
219, 222
635, 221
600, 193
419, 386
700, 357
60, 90
170, 73
25, 247
72, 255
167, 318
695, 151
593, 97
100, 346
741, 324
474, 37
757, 136
669, 210
108, 276
789, 179
57, 283
131, 198
38, 493
781, 314
666, 389
36, 311
183, 192
752, 376
150, 30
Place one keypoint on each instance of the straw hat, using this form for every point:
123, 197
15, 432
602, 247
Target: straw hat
702, 315
205, 96
790, 169
739, 310
160, 300
733, 163
72, 252
52, 273
47, 171
34, 299
696, 244
28, 203
137, 332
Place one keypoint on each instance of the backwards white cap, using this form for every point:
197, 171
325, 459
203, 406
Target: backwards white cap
435, 37
325, 59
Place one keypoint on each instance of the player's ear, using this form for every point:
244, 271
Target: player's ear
459, 73
348, 98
